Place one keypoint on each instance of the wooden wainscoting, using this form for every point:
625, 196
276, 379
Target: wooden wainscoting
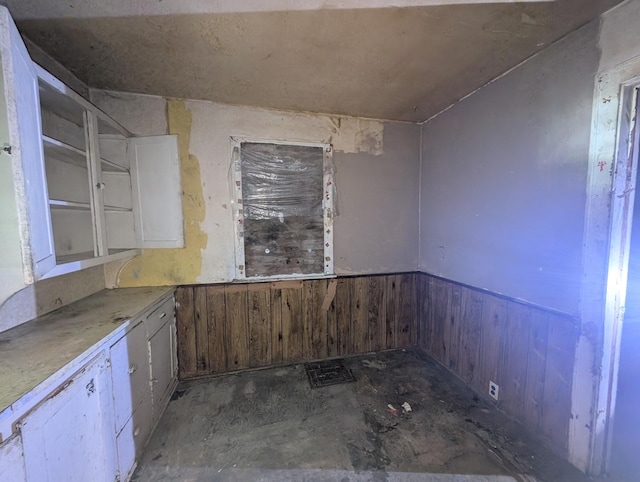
528, 351
223, 328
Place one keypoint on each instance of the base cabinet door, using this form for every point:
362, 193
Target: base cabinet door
160, 346
132, 438
70, 435
130, 374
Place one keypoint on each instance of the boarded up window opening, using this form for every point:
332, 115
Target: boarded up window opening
284, 209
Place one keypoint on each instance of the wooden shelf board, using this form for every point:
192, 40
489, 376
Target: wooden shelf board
117, 209
60, 204
61, 102
110, 166
64, 152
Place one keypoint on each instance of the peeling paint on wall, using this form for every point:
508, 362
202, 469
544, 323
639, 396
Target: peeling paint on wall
158, 267
353, 135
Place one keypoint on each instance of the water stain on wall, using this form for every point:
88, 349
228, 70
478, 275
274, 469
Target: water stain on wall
159, 267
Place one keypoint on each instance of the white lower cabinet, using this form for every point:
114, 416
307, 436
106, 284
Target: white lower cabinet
94, 426
144, 375
70, 435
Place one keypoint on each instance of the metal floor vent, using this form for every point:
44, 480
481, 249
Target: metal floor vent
330, 372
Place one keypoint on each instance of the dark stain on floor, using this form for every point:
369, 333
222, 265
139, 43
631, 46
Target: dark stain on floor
405, 419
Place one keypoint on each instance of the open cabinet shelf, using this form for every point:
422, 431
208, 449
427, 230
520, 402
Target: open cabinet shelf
64, 152
108, 166
80, 201
59, 204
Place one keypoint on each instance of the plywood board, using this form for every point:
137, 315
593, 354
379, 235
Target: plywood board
259, 306
216, 310
513, 362
201, 315
391, 312
359, 316
343, 316
376, 315
292, 325
536, 361
186, 332
318, 328
236, 327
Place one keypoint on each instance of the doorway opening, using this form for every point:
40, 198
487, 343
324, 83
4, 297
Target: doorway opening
624, 463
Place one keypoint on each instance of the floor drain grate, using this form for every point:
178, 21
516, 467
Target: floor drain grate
325, 373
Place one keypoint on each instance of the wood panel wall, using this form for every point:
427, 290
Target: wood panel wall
529, 352
223, 328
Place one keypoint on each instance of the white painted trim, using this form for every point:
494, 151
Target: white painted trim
419, 266
235, 179
605, 260
72, 266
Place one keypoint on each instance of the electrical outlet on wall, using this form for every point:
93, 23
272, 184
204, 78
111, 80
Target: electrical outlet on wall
493, 390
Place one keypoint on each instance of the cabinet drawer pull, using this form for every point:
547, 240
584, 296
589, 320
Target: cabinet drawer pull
163, 315
132, 368
154, 380
136, 431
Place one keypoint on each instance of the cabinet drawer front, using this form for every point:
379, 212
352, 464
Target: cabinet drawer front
133, 437
160, 316
129, 373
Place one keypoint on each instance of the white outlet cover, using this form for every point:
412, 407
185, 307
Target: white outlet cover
493, 390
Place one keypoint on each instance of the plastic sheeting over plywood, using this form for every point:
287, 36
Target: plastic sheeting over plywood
282, 209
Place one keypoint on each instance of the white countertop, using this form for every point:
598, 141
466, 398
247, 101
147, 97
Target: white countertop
34, 351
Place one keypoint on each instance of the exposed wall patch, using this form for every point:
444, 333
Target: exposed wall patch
354, 135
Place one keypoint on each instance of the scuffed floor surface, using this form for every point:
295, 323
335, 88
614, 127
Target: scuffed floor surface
268, 425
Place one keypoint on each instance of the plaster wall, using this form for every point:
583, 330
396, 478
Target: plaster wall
377, 167
504, 175
619, 35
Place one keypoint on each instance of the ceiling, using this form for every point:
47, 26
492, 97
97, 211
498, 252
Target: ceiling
362, 58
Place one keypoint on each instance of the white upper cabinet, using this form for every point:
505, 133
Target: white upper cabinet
156, 187
21, 142
83, 190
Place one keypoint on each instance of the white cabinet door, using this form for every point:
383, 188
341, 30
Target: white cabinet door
160, 346
155, 173
12, 460
70, 436
131, 440
130, 374
24, 141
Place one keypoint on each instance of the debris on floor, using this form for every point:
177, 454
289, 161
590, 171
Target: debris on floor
282, 430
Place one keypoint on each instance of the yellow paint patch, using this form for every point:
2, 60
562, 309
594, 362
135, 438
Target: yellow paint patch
160, 267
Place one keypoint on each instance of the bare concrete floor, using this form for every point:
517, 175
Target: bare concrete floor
269, 425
